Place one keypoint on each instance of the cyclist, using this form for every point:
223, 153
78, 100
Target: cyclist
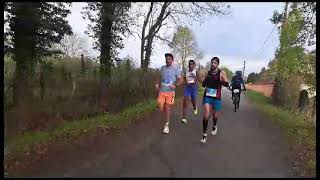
236, 83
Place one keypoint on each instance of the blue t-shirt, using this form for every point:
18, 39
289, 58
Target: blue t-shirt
169, 76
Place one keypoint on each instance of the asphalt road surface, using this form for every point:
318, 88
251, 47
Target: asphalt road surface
247, 145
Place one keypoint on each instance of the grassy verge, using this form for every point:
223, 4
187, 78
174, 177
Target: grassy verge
299, 131
74, 128
71, 129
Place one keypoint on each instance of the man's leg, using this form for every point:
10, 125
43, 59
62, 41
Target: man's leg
185, 106
194, 98
186, 95
161, 104
167, 112
169, 100
161, 101
215, 113
206, 113
194, 103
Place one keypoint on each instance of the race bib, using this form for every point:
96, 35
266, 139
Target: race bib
166, 83
190, 77
211, 92
189, 80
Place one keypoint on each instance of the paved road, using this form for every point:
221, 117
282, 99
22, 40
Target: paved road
247, 145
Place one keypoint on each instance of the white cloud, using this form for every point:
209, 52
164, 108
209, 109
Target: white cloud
249, 20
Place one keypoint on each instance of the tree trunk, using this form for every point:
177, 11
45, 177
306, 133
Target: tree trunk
285, 11
154, 29
82, 65
148, 50
184, 58
42, 82
142, 52
105, 41
143, 38
24, 26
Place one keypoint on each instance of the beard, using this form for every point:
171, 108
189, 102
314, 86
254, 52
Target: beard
214, 70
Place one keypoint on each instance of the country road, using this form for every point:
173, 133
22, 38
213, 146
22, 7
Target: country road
247, 145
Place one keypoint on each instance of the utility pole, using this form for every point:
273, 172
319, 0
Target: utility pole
244, 68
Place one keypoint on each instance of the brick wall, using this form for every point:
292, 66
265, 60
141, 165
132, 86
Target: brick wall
266, 88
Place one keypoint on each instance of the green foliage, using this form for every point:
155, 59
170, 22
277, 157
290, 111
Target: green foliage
46, 21
75, 128
292, 60
276, 17
184, 46
120, 23
9, 68
267, 75
308, 15
298, 128
33, 29
307, 70
229, 73
252, 77
289, 52
64, 93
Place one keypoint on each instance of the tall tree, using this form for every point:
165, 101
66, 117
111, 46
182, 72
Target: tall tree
184, 45
33, 28
294, 34
252, 77
158, 15
109, 23
72, 45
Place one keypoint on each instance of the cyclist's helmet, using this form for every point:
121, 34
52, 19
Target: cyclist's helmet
238, 73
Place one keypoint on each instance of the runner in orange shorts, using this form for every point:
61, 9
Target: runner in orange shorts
170, 74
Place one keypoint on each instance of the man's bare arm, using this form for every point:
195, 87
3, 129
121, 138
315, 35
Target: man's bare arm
198, 77
157, 83
180, 81
224, 79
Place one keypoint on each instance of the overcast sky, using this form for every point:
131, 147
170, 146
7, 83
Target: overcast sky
233, 39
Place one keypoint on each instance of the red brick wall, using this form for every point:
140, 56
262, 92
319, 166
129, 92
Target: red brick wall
266, 89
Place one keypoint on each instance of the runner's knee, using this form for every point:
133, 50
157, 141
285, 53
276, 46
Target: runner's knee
206, 114
161, 107
215, 114
167, 107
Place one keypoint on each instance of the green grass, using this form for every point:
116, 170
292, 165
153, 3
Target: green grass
75, 128
298, 129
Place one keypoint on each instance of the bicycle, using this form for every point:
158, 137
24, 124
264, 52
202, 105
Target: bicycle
236, 98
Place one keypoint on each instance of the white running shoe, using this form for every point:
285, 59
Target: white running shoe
214, 132
195, 111
204, 138
184, 120
166, 129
